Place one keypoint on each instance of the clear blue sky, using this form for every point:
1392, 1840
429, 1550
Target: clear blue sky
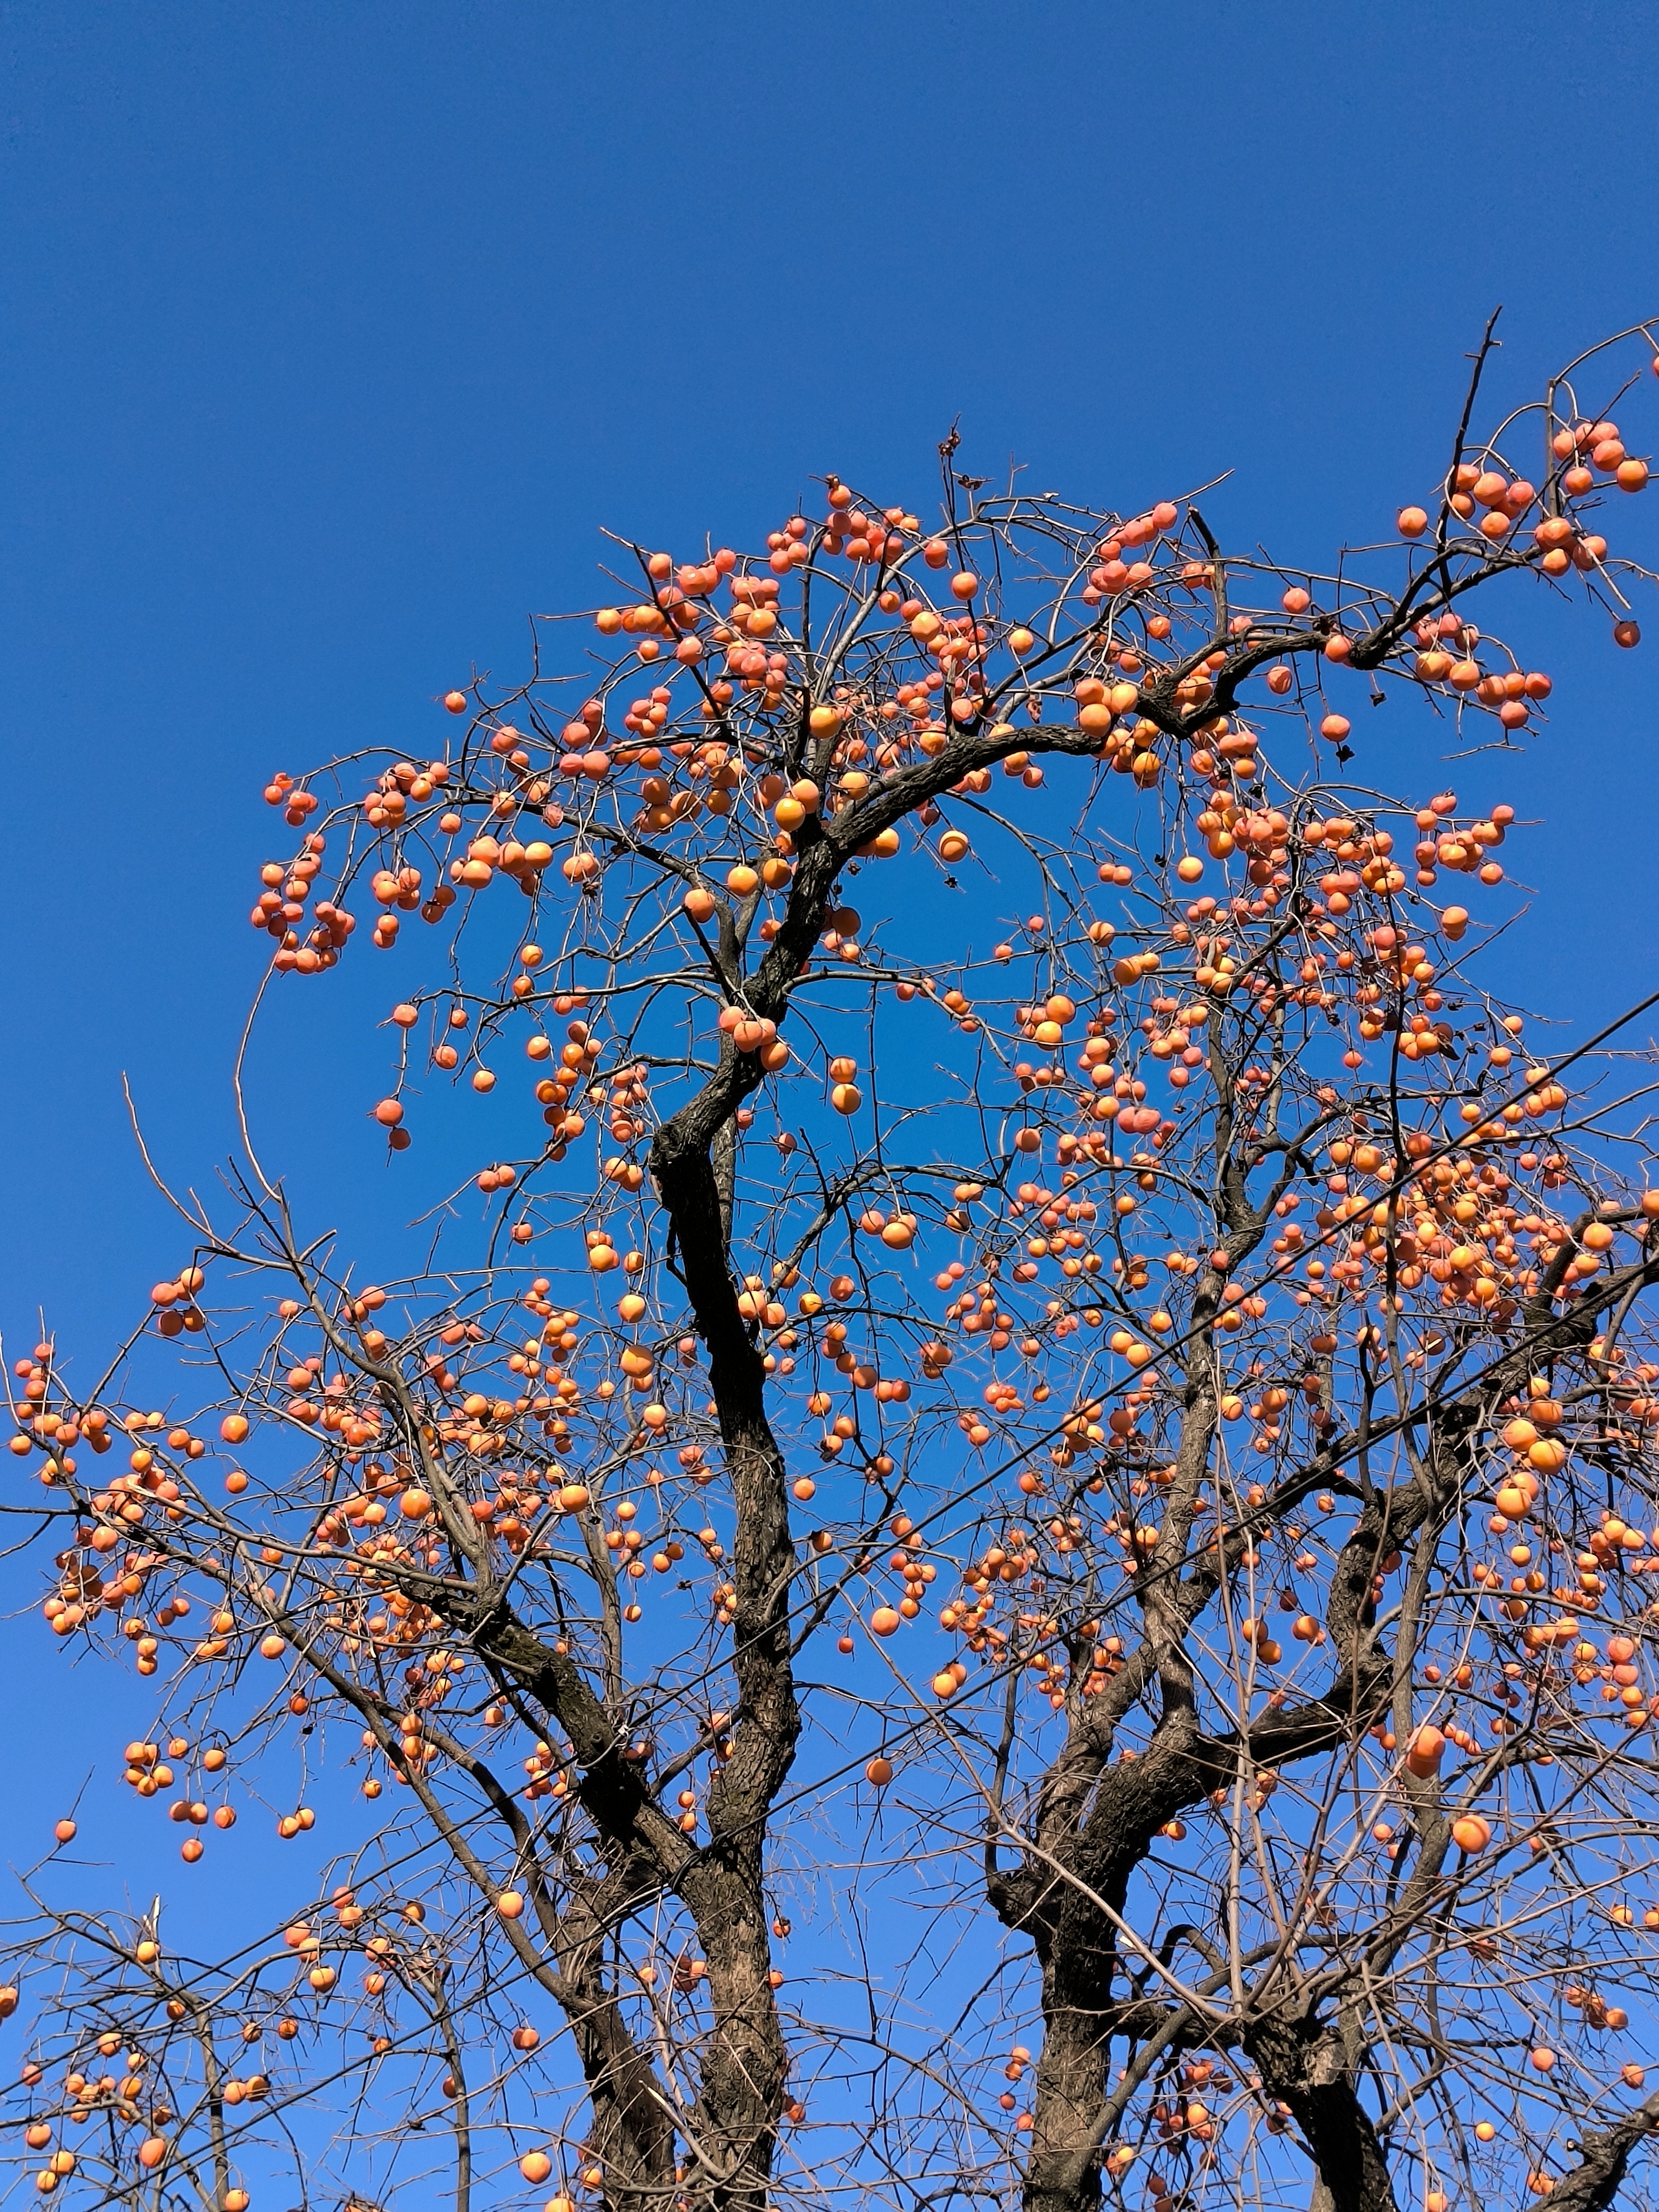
331, 332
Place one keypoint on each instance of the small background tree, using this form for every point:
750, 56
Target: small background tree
995, 1540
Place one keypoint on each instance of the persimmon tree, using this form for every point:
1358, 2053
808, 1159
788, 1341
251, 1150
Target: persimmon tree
997, 1539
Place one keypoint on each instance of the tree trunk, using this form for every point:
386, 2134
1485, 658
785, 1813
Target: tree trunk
1303, 2064
745, 2063
1062, 2174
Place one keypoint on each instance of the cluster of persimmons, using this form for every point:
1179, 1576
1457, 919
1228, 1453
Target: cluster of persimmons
1095, 1041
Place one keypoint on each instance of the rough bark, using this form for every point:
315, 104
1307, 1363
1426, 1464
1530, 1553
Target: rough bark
1303, 2063
1594, 2182
745, 2069
631, 2129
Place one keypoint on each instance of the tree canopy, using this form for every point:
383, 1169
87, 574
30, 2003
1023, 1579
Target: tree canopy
995, 1541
